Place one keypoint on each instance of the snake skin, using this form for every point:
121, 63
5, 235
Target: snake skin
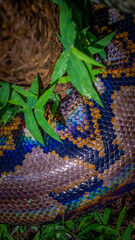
95, 165
126, 5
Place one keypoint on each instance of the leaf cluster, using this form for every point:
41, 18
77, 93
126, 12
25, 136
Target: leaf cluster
76, 62
94, 226
31, 104
76, 65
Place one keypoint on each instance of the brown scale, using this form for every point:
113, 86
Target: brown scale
40, 174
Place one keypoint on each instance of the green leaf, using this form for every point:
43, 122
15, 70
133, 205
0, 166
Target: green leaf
31, 125
16, 99
65, 20
15, 230
60, 67
37, 236
34, 87
85, 30
44, 98
3, 231
60, 2
120, 218
78, 41
91, 37
133, 227
82, 56
71, 34
22, 229
89, 228
98, 217
7, 115
107, 230
21, 90
127, 233
85, 220
101, 237
105, 41
4, 93
80, 79
65, 79
70, 225
76, 15
89, 67
101, 44
97, 71
84, 39
96, 49
54, 97
32, 99
106, 215
35, 228
54, 109
103, 54
45, 125
9, 237
33, 93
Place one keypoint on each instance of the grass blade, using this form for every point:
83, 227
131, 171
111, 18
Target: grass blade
99, 46
97, 71
103, 54
16, 99
15, 230
81, 79
45, 125
127, 233
7, 115
105, 41
33, 93
65, 79
89, 228
4, 93
120, 218
21, 90
60, 67
65, 20
54, 109
82, 56
34, 87
44, 98
31, 125
71, 34
91, 37
106, 216
37, 236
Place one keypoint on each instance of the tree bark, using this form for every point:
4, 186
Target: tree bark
28, 40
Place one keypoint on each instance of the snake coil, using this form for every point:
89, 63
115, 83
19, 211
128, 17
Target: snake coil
95, 165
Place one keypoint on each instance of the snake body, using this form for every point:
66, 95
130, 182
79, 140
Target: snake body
95, 165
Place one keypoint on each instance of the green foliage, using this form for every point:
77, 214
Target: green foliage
94, 226
4, 93
76, 65
120, 219
32, 106
77, 59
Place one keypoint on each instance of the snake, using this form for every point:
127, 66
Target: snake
95, 165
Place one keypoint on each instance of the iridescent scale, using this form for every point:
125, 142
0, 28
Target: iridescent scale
95, 165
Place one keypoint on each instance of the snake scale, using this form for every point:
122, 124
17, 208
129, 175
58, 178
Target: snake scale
95, 165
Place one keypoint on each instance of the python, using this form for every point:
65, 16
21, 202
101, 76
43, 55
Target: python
95, 165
